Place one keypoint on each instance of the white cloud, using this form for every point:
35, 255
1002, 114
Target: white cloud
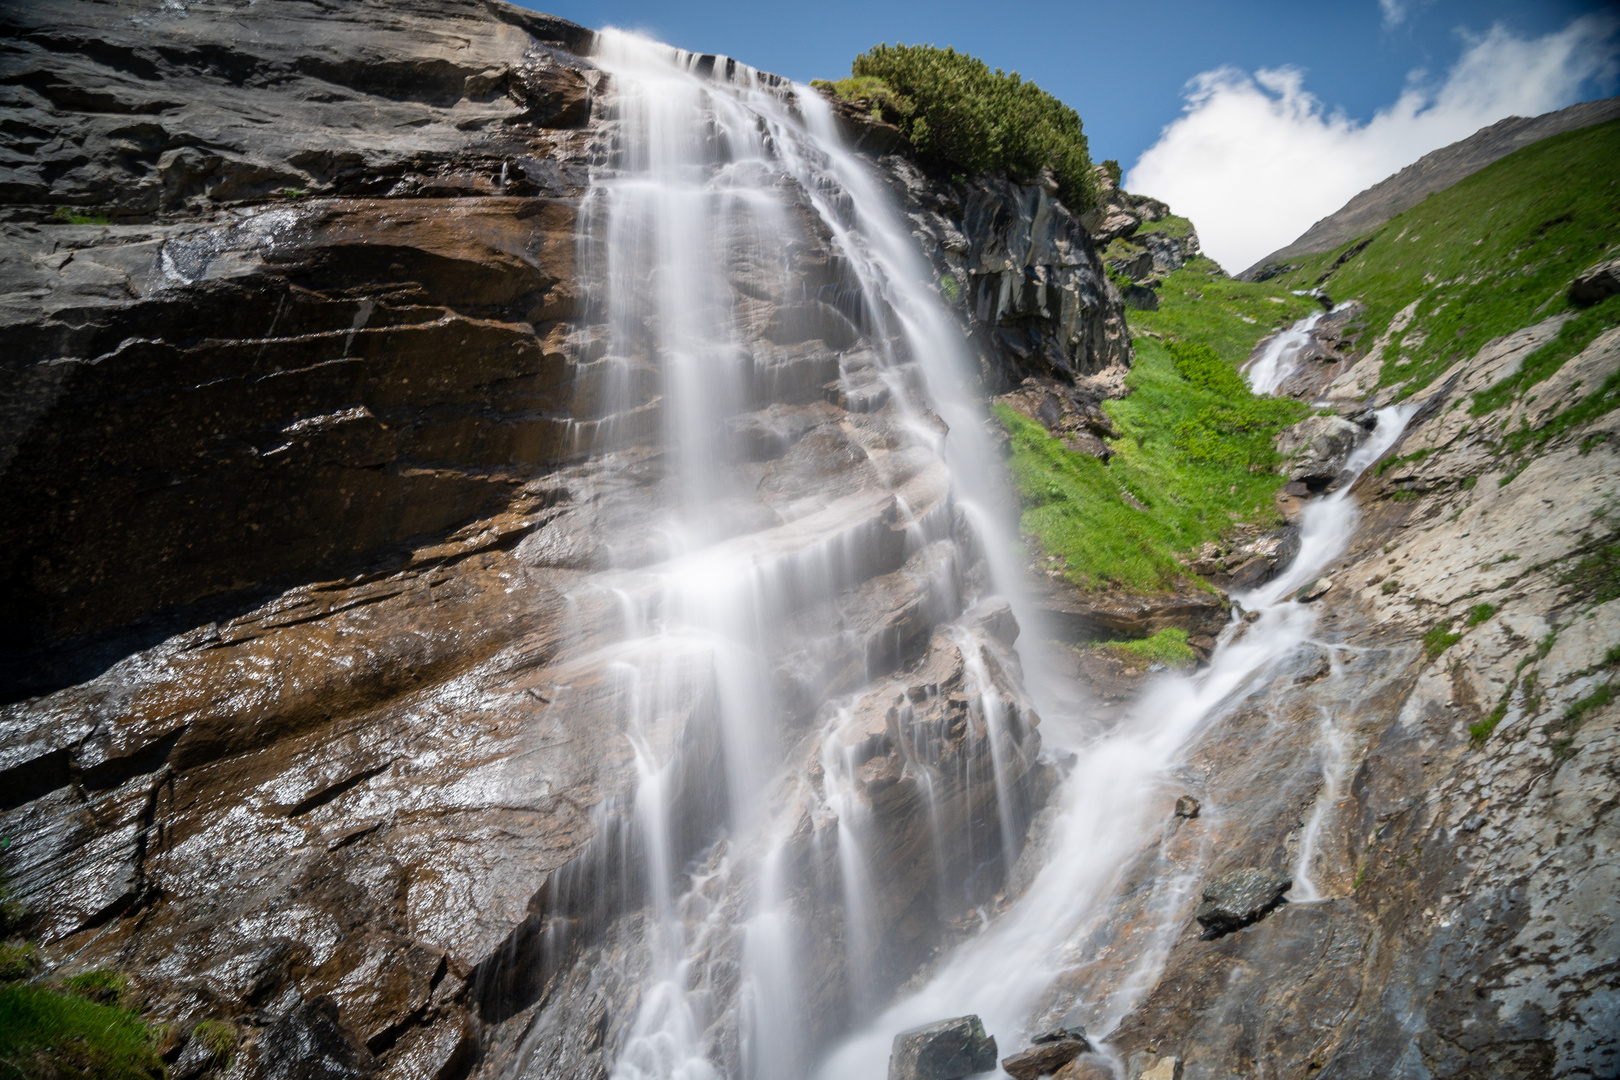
1394, 12
1255, 161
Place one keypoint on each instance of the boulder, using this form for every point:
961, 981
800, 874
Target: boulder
1314, 591
1140, 298
1317, 448
1188, 807
1087, 1067
1050, 1052
1598, 283
1238, 898
944, 1050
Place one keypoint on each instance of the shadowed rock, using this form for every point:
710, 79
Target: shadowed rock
1238, 898
943, 1050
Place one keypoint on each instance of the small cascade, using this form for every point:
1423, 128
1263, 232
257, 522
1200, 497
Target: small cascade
1280, 356
1040, 963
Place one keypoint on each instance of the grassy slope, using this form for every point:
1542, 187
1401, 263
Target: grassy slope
1485, 257
1077, 507
56, 1036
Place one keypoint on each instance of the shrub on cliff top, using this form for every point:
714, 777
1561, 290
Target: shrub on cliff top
956, 111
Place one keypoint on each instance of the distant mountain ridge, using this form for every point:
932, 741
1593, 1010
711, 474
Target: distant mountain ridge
1434, 171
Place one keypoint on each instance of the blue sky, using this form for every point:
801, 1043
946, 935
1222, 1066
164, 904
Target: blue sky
1121, 65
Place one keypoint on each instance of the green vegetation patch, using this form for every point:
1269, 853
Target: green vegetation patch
104, 986
1440, 638
954, 110
52, 1036
1478, 614
1596, 576
1487, 256
1168, 647
1195, 455
1574, 336
74, 217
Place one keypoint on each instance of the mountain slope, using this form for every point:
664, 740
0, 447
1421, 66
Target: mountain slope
1434, 171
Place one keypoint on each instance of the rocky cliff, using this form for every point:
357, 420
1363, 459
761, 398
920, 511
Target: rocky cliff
316, 480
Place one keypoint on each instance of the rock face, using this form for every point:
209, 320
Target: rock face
1597, 284
321, 504
1016, 265
943, 1050
227, 389
1461, 927
1317, 448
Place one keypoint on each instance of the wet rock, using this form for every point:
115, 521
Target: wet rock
1253, 564
1087, 1067
1317, 448
1066, 413
1047, 1056
309, 1044
1314, 591
1188, 807
1596, 284
1164, 1068
1238, 898
943, 1050
1088, 616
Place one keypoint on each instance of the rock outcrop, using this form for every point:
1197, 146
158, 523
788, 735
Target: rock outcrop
943, 1050
322, 504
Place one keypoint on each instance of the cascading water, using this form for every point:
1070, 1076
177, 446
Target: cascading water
746, 283
1280, 355
1037, 964
751, 695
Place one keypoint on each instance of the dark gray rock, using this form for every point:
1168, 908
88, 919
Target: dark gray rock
943, 1050
1188, 807
1599, 283
1238, 898
309, 1044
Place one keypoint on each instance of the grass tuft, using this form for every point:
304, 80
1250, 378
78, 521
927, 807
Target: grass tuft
1168, 647
1478, 614
1440, 638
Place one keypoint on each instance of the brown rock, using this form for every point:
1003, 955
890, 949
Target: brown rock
1043, 1059
1087, 1067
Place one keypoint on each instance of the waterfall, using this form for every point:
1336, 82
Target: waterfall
745, 280
1280, 356
741, 270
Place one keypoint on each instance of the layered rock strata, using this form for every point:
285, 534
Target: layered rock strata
325, 514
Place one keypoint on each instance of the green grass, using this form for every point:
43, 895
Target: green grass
1168, 647
1487, 256
1230, 316
1478, 614
17, 961
1596, 576
63, 1037
219, 1038
74, 217
1195, 447
1440, 638
954, 110
1573, 336
1480, 731
104, 986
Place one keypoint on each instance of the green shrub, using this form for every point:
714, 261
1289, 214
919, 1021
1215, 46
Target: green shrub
51, 1036
955, 111
1168, 647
